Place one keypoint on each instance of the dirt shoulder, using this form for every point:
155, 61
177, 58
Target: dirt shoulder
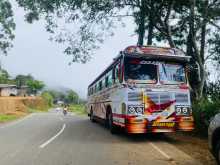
12, 108
193, 145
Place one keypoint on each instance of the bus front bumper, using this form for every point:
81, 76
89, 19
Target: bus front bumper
144, 126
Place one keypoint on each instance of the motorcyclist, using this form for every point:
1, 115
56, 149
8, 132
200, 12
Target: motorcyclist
65, 109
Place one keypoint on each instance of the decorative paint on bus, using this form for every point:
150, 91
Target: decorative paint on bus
146, 90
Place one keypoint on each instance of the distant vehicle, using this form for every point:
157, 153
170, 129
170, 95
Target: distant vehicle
214, 137
145, 89
59, 102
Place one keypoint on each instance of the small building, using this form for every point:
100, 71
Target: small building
8, 90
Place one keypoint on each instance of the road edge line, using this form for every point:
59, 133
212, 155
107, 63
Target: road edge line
53, 138
161, 152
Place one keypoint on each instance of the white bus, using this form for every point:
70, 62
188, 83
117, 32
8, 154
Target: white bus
145, 89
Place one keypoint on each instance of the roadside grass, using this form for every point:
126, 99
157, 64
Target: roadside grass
33, 110
78, 109
7, 117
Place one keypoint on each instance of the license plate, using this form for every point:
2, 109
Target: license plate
163, 124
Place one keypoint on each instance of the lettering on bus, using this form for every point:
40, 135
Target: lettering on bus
163, 124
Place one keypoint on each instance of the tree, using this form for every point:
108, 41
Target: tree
182, 24
94, 21
21, 80
72, 97
35, 86
204, 18
48, 98
7, 26
4, 76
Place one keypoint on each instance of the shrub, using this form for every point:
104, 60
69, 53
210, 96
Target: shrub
48, 98
203, 111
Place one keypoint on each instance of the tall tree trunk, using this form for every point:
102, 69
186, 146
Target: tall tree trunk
150, 32
198, 75
169, 38
141, 25
141, 33
150, 24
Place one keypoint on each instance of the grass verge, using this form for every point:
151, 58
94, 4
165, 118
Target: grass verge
6, 118
33, 110
78, 109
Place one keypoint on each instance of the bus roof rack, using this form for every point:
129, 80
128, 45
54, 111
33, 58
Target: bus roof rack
158, 53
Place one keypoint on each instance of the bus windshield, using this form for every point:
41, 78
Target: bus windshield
141, 70
172, 74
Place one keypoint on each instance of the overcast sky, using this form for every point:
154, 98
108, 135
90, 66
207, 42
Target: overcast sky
34, 54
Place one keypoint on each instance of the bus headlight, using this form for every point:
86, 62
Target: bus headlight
178, 111
182, 110
185, 110
139, 110
131, 110
136, 109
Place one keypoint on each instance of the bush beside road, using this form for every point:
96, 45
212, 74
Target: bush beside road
6, 118
78, 109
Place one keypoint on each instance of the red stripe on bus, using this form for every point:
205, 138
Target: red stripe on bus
119, 124
122, 116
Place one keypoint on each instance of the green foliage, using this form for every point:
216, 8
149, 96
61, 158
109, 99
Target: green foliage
21, 80
7, 26
206, 108
72, 97
5, 118
68, 97
48, 98
213, 91
4, 77
35, 86
79, 109
184, 24
57, 95
203, 111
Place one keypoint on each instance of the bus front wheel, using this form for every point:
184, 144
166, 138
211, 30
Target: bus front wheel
92, 116
111, 126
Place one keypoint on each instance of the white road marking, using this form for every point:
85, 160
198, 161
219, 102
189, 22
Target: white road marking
17, 121
160, 151
53, 138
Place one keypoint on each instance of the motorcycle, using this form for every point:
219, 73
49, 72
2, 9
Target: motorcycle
64, 112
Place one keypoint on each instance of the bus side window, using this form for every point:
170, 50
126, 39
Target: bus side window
92, 91
117, 73
113, 75
110, 79
96, 90
106, 81
100, 85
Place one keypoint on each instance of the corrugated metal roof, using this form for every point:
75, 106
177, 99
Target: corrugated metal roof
7, 86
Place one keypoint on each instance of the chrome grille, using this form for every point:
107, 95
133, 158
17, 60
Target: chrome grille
154, 97
134, 96
182, 98
164, 98
159, 98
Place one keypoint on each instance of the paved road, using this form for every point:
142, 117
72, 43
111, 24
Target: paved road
52, 139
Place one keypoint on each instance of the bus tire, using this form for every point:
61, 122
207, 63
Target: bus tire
113, 128
92, 116
217, 152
